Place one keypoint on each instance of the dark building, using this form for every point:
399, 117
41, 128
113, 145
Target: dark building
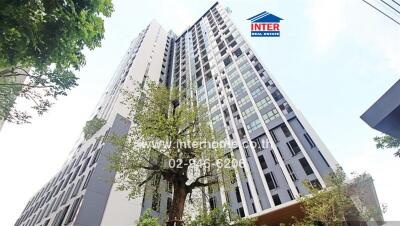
384, 114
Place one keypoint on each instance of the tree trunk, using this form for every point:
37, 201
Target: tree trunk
178, 205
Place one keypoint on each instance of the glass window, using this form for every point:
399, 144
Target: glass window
271, 181
277, 200
263, 164
285, 130
293, 147
306, 167
271, 115
238, 197
291, 172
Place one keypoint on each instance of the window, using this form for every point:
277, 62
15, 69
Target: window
233, 108
286, 109
277, 95
246, 150
85, 164
291, 172
67, 194
242, 133
237, 52
66, 181
46, 222
61, 215
79, 159
263, 102
271, 115
254, 208
323, 158
213, 205
248, 188
315, 183
262, 162
95, 157
290, 194
280, 153
169, 187
58, 188
156, 180
306, 167
155, 204
257, 145
227, 61
309, 140
87, 179
51, 207
285, 130
271, 181
74, 210
228, 199
58, 201
274, 157
240, 212
229, 38
169, 204
273, 135
293, 147
243, 100
238, 197
77, 187
300, 123
277, 200
253, 125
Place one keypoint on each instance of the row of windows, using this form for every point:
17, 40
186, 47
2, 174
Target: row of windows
271, 115
253, 125
60, 188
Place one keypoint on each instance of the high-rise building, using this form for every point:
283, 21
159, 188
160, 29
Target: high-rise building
244, 102
82, 193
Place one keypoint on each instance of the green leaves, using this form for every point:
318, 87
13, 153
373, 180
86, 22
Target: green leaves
92, 126
166, 126
335, 204
221, 217
46, 39
388, 142
147, 220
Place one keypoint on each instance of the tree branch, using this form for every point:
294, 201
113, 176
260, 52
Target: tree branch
197, 182
147, 179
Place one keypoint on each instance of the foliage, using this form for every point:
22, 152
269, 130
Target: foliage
388, 142
163, 120
147, 219
41, 48
92, 126
331, 205
220, 217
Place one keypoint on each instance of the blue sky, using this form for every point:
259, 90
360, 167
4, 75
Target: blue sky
334, 59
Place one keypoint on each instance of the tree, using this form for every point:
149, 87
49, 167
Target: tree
147, 220
92, 126
221, 217
332, 205
41, 48
388, 142
169, 137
